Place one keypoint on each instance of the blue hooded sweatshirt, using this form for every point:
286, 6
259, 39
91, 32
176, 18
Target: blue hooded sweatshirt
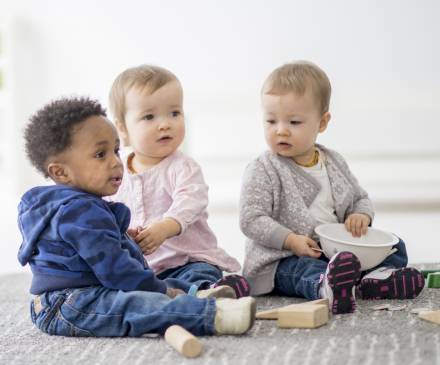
72, 239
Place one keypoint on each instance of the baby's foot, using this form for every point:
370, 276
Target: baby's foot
387, 283
339, 282
218, 292
237, 282
234, 317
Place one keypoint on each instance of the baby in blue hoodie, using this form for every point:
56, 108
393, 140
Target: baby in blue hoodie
90, 278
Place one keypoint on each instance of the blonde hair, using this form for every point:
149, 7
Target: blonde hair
143, 76
296, 77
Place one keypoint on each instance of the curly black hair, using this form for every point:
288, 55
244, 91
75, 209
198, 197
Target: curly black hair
49, 131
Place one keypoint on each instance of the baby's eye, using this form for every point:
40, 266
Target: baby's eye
294, 122
271, 121
149, 117
175, 114
100, 155
117, 151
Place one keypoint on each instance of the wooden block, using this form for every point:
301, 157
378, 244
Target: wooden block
431, 317
324, 301
183, 341
319, 301
269, 314
273, 313
303, 316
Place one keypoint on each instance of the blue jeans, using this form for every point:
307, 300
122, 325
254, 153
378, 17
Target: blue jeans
299, 276
199, 273
99, 311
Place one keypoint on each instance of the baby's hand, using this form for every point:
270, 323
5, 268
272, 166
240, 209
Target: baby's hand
155, 233
300, 245
357, 224
132, 233
152, 236
172, 293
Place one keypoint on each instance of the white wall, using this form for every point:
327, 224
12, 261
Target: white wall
381, 57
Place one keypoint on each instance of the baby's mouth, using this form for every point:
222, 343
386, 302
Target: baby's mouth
117, 180
164, 139
284, 145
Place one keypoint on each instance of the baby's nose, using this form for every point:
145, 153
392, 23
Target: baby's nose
164, 126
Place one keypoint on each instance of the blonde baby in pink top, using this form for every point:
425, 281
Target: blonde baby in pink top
165, 189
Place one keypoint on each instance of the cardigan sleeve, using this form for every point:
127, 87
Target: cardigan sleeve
256, 206
361, 203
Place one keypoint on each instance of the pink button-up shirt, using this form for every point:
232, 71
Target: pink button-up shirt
174, 188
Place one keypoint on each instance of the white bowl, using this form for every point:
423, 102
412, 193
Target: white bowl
371, 248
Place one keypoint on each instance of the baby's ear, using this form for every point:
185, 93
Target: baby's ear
324, 122
123, 132
121, 128
58, 173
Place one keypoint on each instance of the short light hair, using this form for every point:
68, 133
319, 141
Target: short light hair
143, 76
296, 77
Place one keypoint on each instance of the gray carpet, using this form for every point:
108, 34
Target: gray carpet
365, 337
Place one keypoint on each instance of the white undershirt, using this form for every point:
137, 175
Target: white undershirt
323, 207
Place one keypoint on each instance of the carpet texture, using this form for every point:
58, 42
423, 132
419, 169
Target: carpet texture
365, 337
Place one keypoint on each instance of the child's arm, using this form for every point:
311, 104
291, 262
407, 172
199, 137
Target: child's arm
358, 218
190, 199
154, 234
92, 231
256, 205
362, 214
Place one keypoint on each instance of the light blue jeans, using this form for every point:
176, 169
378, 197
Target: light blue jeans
198, 273
99, 311
299, 276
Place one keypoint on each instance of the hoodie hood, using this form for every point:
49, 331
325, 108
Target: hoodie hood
36, 210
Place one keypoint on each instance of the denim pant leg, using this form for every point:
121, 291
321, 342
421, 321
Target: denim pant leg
99, 311
299, 276
397, 260
199, 273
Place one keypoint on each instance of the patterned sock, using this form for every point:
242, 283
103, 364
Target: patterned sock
237, 282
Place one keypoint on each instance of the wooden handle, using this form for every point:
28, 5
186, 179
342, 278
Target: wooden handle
183, 341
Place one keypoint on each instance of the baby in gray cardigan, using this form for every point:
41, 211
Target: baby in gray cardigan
298, 185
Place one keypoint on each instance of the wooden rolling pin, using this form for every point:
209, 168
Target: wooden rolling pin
183, 341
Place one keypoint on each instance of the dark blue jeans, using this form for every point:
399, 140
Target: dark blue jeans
199, 273
99, 311
299, 276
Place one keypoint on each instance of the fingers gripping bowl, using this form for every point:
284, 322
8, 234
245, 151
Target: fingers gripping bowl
371, 248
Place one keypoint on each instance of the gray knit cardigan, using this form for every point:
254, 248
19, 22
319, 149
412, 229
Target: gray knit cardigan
275, 198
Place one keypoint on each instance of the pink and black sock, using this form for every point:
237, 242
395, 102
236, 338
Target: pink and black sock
236, 282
